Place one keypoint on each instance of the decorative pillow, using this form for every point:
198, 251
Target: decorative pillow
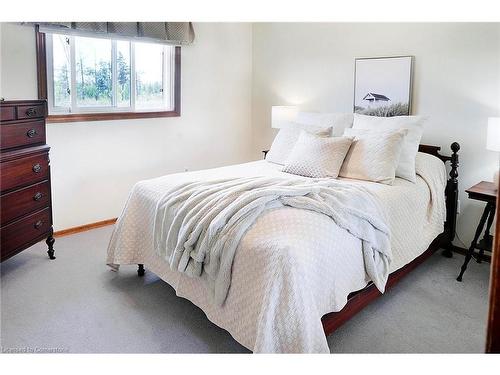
414, 125
339, 121
287, 137
374, 155
318, 157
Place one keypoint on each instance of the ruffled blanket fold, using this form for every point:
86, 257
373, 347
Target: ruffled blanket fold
198, 225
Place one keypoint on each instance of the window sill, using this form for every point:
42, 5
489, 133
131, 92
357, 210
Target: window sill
79, 117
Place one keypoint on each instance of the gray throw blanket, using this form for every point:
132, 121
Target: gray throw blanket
199, 225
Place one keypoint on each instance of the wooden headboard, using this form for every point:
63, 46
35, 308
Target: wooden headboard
434, 150
451, 193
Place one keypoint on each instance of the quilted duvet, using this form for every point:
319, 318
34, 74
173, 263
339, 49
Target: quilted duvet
293, 265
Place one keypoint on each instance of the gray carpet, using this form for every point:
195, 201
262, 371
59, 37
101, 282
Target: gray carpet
76, 304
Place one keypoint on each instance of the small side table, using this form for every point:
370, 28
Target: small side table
485, 192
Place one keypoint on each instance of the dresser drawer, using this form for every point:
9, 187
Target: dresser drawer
22, 134
23, 201
30, 111
7, 113
24, 230
24, 171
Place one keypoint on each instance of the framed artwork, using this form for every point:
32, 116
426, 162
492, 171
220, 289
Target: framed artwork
383, 86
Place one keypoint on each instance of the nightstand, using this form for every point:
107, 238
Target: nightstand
484, 192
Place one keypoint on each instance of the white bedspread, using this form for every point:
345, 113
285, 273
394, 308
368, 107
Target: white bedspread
293, 266
199, 225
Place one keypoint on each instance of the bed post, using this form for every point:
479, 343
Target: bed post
451, 202
140, 270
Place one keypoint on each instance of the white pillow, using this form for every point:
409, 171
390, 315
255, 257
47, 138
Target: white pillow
339, 121
286, 139
316, 156
415, 126
374, 155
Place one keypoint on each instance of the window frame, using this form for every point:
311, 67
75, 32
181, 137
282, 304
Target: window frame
104, 113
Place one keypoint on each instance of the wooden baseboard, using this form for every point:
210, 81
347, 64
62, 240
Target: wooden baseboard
85, 227
460, 250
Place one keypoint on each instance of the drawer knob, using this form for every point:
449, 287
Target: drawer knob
37, 168
30, 112
38, 224
31, 133
37, 196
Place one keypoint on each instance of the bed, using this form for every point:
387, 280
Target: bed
292, 287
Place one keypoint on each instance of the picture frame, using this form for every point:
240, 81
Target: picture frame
383, 86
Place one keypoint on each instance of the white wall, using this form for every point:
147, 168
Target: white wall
94, 164
456, 82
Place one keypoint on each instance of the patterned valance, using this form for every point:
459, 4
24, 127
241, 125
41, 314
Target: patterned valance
160, 32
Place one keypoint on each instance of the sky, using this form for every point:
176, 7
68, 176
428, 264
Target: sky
148, 56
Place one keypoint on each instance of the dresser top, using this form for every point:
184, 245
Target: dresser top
21, 102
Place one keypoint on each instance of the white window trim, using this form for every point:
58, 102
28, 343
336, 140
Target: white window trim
168, 85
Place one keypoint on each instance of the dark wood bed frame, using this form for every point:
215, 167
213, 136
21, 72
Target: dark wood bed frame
356, 301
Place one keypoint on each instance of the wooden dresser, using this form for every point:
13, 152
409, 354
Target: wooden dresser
25, 200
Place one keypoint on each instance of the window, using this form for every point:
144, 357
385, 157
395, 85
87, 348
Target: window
91, 78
